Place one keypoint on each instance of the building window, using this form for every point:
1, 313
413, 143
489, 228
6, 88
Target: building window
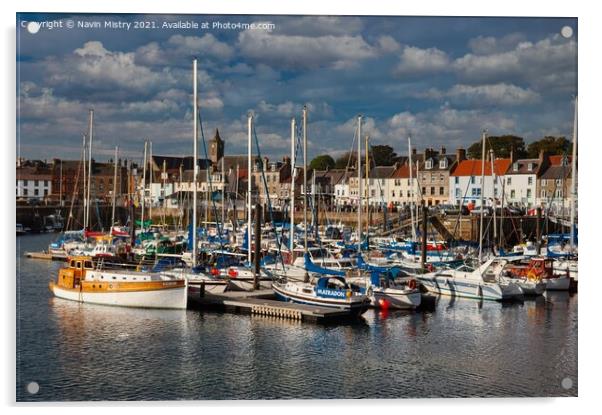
529, 193
476, 191
509, 180
558, 193
45, 183
393, 193
37, 183
429, 164
558, 182
409, 193
45, 192
456, 180
472, 180
25, 183
424, 190
35, 191
443, 163
530, 166
25, 191
530, 181
543, 194
458, 194
432, 190
543, 182
441, 191
512, 194
515, 166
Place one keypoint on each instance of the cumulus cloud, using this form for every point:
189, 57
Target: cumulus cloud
321, 25
500, 94
487, 45
548, 63
296, 52
416, 61
388, 44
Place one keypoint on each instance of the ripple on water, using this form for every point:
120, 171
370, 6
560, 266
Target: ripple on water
460, 349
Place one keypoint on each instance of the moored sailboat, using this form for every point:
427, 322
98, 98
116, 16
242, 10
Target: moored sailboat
84, 281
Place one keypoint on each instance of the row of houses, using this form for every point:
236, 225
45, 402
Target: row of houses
441, 178
435, 176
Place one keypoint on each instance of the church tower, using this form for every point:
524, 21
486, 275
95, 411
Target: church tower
216, 148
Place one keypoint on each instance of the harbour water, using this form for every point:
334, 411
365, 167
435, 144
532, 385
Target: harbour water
457, 348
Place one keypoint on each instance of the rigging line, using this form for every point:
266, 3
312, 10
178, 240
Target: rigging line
219, 230
267, 193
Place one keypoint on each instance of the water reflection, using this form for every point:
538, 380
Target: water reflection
449, 347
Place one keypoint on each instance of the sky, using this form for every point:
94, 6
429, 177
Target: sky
440, 80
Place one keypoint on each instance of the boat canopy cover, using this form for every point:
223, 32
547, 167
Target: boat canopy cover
323, 282
311, 267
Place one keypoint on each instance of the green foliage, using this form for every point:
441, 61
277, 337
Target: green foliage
383, 155
551, 145
322, 162
347, 159
502, 146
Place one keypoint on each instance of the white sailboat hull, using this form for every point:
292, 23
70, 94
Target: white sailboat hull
175, 298
393, 298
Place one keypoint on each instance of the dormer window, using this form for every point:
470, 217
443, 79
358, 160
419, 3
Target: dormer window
429, 164
515, 166
443, 163
530, 166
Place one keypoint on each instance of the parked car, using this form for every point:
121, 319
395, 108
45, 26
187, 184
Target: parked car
448, 209
488, 210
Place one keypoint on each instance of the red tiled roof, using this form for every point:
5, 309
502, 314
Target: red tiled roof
473, 167
403, 172
557, 160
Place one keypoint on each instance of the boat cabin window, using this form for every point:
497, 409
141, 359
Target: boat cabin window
72, 263
88, 264
78, 264
466, 268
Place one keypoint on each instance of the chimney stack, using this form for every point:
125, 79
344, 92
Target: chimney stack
460, 154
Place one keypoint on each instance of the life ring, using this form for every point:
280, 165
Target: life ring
412, 284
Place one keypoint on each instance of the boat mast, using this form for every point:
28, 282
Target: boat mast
151, 172
305, 251
223, 193
412, 195
90, 137
249, 188
359, 184
418, 192
367, 186
61, 184
84, 194
491, 157
195, 166
143, 185
114, 188
482, 206
292, 205
163, 178
574, 179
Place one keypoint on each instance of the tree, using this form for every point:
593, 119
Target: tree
502, 146
551, 145
322, 162
347, 159
383, 155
